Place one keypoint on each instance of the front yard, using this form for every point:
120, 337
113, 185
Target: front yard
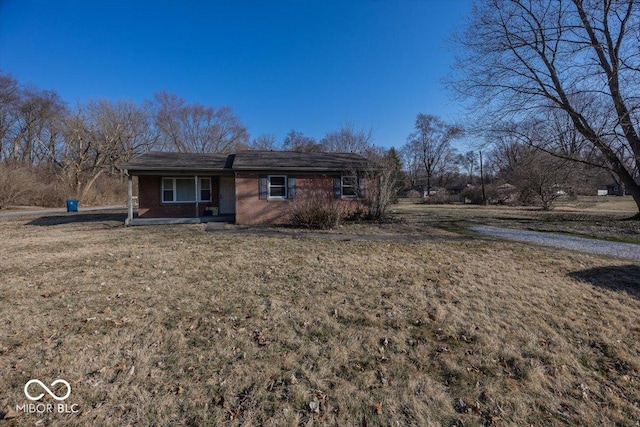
172, 325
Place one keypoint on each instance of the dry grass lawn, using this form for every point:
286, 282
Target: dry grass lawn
172, 325
597, 217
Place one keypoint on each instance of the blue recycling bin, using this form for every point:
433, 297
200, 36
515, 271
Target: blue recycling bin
72, 205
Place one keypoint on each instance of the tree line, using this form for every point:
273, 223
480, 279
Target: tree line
560, 77
554, 87
504, 170
49, 151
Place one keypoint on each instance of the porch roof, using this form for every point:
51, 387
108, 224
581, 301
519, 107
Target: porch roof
170, 161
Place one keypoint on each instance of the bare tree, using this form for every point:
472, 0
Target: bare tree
523, 59
431, 145
195, 128
411, 162
469, 164
297, 141
38, 138
386, 176
10, 98
29, 123
265, 141
99, 135
539, 177
347, 139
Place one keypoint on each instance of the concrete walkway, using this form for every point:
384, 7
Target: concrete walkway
580, 244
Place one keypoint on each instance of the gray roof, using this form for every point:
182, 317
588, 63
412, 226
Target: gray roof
170, 161
295, 161
246, 161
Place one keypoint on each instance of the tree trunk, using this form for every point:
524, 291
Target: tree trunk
90, 183
634, 189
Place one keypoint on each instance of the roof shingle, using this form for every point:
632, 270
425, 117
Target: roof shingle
247, 160
289, 160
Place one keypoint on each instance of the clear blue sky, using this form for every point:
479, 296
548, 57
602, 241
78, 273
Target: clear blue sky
281, 65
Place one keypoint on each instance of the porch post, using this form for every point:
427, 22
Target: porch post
129, 198
197, 198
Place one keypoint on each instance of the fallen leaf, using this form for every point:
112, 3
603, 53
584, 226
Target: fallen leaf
11, 413
259, 338
379, 408
314, 405
461, 407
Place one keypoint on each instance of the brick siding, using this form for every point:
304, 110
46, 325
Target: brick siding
250, 210
150, 200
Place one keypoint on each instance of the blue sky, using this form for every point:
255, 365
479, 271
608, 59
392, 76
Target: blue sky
281, 65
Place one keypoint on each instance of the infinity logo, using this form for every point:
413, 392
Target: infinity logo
52, 394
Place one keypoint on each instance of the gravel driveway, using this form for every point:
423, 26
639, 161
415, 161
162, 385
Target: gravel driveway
580, 244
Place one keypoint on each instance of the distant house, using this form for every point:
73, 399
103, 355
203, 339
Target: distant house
253, 187
615, 189
420, 190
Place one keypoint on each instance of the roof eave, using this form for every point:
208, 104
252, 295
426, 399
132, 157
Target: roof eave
295, 169
173, 169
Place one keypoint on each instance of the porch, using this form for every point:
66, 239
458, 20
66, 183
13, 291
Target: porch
181, 198
222, 219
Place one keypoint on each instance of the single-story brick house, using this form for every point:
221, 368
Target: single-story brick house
252, 187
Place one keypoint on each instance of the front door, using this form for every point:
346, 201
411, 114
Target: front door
227, 198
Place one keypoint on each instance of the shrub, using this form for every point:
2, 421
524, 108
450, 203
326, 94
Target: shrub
25, 185
107, 190
29, 186
14, 185
316, 213
414, 196
439, 198
496, 194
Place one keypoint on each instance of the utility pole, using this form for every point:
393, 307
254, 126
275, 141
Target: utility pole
484, 197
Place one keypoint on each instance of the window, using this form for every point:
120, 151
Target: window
277, 187
181, 190
168, 189
349, 186
205, 189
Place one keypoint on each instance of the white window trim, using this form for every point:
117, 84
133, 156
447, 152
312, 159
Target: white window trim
356, 185
269, 196
175, 193
200, 179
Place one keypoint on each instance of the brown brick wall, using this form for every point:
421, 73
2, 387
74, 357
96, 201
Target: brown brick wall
150, 200
250, 210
